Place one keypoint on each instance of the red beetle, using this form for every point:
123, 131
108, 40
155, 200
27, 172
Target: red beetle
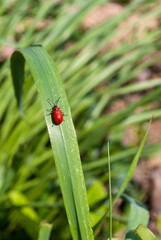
56, 113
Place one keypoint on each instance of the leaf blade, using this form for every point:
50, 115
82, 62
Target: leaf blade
132, 166
63, 139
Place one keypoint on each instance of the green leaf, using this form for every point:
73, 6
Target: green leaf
17, 198
44, 232
26, 216
132, 166
138, 214
17, 74
110, 193
142, 233
63, 137
128, 175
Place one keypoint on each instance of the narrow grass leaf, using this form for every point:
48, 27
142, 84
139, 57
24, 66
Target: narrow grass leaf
110, 194
63, 137
136, 87
17, 74
45, 231
132, 166
127, 177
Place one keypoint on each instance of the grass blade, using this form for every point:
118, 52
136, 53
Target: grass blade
128, 175
62, 137
45, 230
110, 194
132, 166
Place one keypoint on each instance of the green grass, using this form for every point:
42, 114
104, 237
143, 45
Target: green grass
62, 137
45, 230
110, 192
93, 82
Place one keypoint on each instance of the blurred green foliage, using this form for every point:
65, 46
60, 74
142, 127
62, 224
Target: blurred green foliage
100, 66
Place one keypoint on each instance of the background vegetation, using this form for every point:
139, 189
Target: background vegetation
108, 55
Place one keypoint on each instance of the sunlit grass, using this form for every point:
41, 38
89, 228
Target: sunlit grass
93, 80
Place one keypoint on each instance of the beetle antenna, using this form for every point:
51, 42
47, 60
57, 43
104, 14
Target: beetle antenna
50, 102
57, 101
